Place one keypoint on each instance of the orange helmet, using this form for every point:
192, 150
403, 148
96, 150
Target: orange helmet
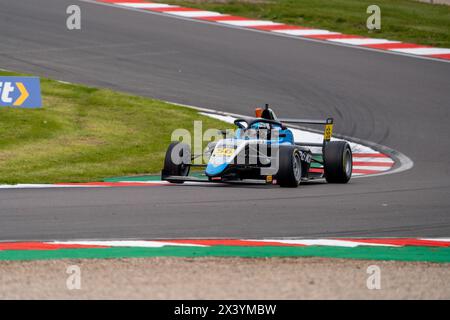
258, 112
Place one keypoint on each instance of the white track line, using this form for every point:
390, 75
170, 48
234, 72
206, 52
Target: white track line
423, 51
194, 14
359, 42
32, 186
249, 23
304, 32
124, 243
145, 5
328, 242
378, 160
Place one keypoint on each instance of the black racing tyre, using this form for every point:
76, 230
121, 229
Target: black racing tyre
289, 173
338, 162
177, 161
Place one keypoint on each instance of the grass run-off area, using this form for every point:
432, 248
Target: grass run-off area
404, 20
86, 134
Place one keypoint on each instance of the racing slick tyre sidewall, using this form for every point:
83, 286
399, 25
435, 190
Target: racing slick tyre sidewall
289, 167
178, 164
337, 157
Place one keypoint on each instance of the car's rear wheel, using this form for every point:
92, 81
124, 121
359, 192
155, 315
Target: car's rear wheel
177, 161
289, 167
338, 162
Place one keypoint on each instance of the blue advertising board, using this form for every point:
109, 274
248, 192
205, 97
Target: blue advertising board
20, 92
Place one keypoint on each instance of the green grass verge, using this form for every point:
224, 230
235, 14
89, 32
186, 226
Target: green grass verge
404, 20
86, 134
408, 253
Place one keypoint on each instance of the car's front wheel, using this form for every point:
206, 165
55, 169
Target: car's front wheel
289, 167
177, 161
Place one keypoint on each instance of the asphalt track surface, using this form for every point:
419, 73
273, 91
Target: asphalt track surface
397, 101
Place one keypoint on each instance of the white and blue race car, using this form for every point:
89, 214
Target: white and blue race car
263, 150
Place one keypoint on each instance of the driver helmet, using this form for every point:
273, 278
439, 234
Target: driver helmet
266, 113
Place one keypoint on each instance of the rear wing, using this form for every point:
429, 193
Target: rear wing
328, 131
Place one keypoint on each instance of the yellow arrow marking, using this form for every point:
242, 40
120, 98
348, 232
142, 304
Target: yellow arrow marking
23, 94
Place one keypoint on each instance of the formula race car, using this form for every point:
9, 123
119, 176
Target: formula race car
262, 149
